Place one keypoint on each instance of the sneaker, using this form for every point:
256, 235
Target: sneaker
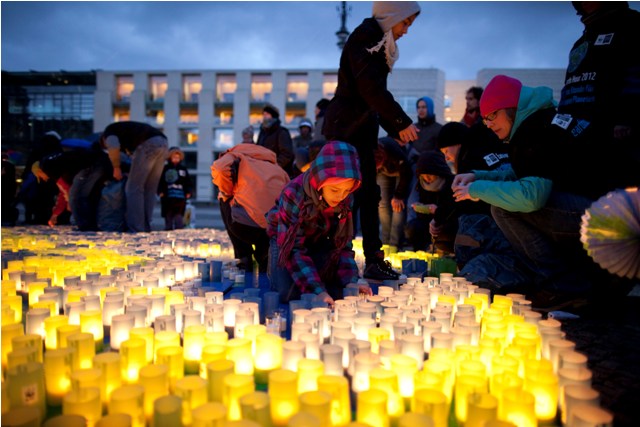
380, 270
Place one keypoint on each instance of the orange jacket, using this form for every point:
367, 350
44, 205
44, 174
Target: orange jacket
260, 179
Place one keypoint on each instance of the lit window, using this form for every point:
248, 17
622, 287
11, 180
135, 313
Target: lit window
157, 87
191, 87
255, 119
188, 117
447, 101
223, 116
261, 87
124, 88
225, 87
297, 87
222, 139
189, 137
329, 85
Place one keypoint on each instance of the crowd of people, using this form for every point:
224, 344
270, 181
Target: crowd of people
501, 192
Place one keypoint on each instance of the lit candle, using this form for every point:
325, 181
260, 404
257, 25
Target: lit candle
405, 367
167, 411
518, 407
338, 388
591, 416
85, 378
15, 302
268, 355
26, 386
133, 354
283, 392
331, 356
83, 350
318, 404
193, 391
577, 395
193, 343
109, 363
57, 368
155, 380
482, 407
9, 332
173, 357
144, 333
129, 399
121, 324
363, 364
255, 407
209, 414
542, 383
387, 381
85, 402
63, 332
467, 385
308, 372
239, 351
30, 341
37, 323
433, 403
216, 372
372, 408
165, 339
234, 387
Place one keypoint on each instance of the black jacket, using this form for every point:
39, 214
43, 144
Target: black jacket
278, 139
131, 134
362, 101
396, 163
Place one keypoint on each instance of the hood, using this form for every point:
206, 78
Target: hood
531, 100
336, 159
433, 163
431, 115
257, 152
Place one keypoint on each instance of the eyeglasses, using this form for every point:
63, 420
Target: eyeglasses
490, 117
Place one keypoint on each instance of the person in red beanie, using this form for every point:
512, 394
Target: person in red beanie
538, 202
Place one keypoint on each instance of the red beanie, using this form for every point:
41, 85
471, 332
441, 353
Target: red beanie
501, 92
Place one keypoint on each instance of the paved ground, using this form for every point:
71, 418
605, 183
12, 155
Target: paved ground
610, 337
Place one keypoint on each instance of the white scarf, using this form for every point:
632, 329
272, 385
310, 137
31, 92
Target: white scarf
390, 48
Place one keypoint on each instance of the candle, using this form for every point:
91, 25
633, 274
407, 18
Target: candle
133, 354
363, 364
387, 381
167, 411
338, 388
331, 356
216, 372
30, 341
63, 332
69, 420
115, 420
543, 385
433, 403
575, 395
36, 324
372, 408
209, 414
15, 302
144, 333
268, 355
121, 324
518, 407
590, 416
155, 380
239, 351
8, 333
405, 367
82, 349
109, 363
308, 372
292, 352
193, 343
467, 385
129, 399
26, 386
57, 368
482, 407
165, 339
234, 387
85, 402
193, 391
173, 357
318, 404
255, 407
85, 378
283, 392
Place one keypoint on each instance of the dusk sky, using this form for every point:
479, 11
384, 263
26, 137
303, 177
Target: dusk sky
459, 38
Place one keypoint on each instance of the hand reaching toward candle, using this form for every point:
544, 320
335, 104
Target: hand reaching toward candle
461, 185
364, 289
325, 297
463, 179
408, 134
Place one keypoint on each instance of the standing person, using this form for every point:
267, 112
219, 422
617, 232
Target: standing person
249, 181
394, 178
362, 103
472, 114
321, 110
428, 128
600, 100
174, 189
311, 228
276, 138
148, 149
306, 135
9, 187
247, 135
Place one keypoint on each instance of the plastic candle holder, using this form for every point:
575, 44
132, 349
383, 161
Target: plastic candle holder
518, 407
239, 351
85, 402
318, 404
109, 363
83, 350
57, 368
193, 391
234, 387
129, 399
144, 333
209, 414
173, 357
372, 408
268, 356
193, 343
63, 332
216, 372
283, 392
255, 407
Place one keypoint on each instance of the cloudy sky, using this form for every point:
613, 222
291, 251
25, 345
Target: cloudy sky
457, 37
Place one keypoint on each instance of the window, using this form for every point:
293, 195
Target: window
255, 118
157, 87
191, 161
58, 105
223, 115
191, 87
261, 87
124, 88
225, 87
222, 139
189, 137
297, 87
408, 104
189, 116
329, 84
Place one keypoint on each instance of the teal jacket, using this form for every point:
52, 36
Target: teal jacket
503, 188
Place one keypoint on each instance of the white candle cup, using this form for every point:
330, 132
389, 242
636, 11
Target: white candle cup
331, 356
312, 345
292, 352
165, 323
139, 313
120, 326
297, 329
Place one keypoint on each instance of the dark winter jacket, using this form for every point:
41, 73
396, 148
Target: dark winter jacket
278, 139
395, 163
362, 100
131, 134
174, 182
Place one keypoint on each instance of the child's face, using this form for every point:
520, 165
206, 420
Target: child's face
175, 158
333, 194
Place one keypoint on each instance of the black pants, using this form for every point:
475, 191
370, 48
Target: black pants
244, 238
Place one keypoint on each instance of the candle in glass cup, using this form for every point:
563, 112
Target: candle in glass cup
283, 394
57, 370
129, 399
234, 387
109, 363
155, 380
83, 350
193, 391
372, 408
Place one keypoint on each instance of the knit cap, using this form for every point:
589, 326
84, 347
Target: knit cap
501, 92
271, 109
389, 13
432, 163
453, 133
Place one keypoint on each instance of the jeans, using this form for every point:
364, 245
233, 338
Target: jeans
85, 194
367, 198
548, 241
392, 223
147, 163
